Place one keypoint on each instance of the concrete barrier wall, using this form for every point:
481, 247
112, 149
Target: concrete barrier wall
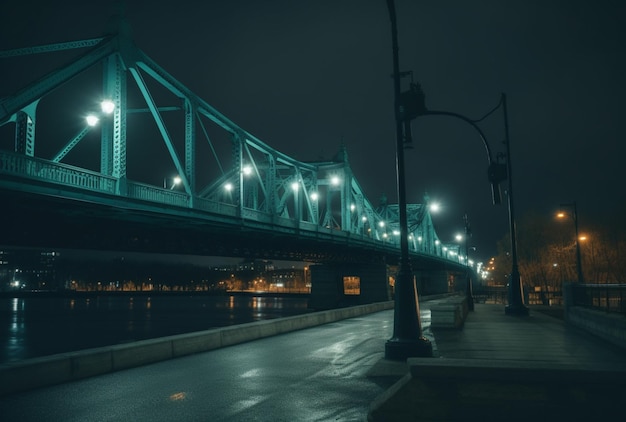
450, 313
40, 372
610, 327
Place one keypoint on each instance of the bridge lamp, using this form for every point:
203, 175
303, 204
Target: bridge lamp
176, 181
352, 207
385, 235
314, 196
294, 186
419, 238
107, 106
364, 219
458, 237
381, 224
335, 181
92, 120
434, 207
247, 170
228, 187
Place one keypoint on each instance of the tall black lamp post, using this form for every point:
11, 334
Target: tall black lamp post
469, 294
408, 339
497, 173
516, 298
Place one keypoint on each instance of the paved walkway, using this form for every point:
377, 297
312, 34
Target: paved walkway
328, 373
501, 367
490, 334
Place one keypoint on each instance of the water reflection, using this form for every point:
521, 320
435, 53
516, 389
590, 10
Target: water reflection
17, 327
34, 326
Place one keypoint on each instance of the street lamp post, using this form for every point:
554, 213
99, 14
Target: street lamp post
498, 172
516, 298
469, 293
408, 339
579, 266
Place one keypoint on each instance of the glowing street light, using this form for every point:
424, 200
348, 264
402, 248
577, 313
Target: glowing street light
579, 267
107, 106
92, 120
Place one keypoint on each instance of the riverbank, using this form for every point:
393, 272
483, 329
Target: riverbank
143, 293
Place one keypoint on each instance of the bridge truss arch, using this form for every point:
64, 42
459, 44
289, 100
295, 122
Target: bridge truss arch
225, 175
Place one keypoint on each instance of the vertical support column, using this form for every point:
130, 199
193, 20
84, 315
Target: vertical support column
25, 130
270, 188
297, 208
346, 190
190, 148
315, 217
238, 171
113, 148
328, 214
109, 82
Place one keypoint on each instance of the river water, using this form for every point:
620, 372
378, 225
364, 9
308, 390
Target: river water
40, 326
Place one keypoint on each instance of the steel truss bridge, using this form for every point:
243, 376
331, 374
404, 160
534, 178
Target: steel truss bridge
233, 195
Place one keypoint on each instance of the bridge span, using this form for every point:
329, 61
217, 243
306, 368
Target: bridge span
155, 168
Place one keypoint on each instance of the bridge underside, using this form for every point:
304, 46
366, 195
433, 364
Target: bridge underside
33, 220
54, 222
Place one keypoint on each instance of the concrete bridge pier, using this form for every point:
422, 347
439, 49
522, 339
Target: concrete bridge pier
433, 282
347, 284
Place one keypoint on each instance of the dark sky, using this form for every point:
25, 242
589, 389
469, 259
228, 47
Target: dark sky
305, 76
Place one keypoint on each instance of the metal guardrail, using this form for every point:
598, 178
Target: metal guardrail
607, 297
44, 170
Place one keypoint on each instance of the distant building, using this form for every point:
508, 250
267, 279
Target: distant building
28, 270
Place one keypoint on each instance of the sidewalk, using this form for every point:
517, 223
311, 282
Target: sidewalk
501, 366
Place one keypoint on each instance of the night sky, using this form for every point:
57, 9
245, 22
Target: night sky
306, 76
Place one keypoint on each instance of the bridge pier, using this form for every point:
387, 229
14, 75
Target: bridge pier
343, 284
433, 282
336, 285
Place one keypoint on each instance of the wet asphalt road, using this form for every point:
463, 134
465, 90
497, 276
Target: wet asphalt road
317, 374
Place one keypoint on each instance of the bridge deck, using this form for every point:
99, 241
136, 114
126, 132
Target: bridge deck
330, 372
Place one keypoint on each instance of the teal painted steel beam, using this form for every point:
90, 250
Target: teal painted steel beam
35, 91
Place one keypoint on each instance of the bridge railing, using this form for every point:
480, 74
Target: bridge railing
606, 297
154, 194
44, 170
